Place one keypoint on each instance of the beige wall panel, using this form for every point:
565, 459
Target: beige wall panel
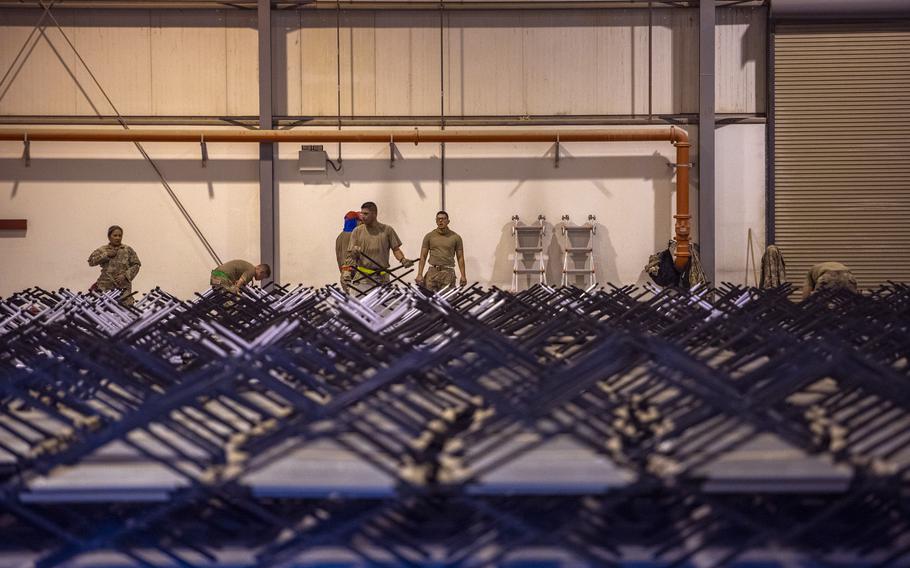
740, 57
484, 65
116, 46
287, 78
675, 61
319, 63
242, 64
497, 63
407, 63
639, 67
622, 60
189, 74
41, 82
359, 65
560, 62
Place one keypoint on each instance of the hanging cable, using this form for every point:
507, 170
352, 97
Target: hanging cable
442, 108
337, 78
167, 186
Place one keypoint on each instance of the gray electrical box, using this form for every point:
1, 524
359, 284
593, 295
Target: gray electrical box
311, 160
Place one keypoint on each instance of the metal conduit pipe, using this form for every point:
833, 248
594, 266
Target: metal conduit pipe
467, 5
677, 136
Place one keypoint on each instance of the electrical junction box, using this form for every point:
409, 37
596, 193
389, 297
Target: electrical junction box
311, 160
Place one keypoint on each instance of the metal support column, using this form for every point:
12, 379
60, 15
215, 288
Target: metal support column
268, 192
706, 195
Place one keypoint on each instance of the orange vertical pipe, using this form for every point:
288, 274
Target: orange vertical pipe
682, 226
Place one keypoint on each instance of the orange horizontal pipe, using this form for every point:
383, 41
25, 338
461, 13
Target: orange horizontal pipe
677, 136
669, 134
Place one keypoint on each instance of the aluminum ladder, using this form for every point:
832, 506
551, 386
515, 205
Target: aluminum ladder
578, 253
529, 256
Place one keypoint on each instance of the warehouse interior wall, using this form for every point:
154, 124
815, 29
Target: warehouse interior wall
71, 193
70, 196
628, 187
203, 63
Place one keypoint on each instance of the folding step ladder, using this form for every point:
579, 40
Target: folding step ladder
578, 254
529, 258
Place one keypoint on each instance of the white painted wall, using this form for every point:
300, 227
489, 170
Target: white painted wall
73, 192
739, 185
628, 186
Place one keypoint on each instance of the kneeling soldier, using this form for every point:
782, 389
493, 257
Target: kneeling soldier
235, 274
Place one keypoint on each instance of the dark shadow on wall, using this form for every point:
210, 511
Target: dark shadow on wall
502, 261
596, 169
756, 34
604, 255
416, 172
554, 253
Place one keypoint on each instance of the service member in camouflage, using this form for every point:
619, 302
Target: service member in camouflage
828, 276
343, 241
372, 239
442, 245
235, 274
119, 265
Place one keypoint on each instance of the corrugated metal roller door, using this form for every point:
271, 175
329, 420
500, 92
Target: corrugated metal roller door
842, 148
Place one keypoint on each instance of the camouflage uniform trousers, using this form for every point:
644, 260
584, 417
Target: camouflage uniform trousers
354, 280
439, 277
126, 290
225, 284
836, 280
117, 271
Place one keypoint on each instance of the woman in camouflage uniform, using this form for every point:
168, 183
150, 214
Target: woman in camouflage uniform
119, 265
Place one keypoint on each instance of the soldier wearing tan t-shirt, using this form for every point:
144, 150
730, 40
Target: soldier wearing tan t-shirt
343, 242
235, 274
828, 276
442, 246
374, 240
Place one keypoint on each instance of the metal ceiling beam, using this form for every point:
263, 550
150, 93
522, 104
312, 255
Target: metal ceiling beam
390, 121
391, 5
269, 236
707, 201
